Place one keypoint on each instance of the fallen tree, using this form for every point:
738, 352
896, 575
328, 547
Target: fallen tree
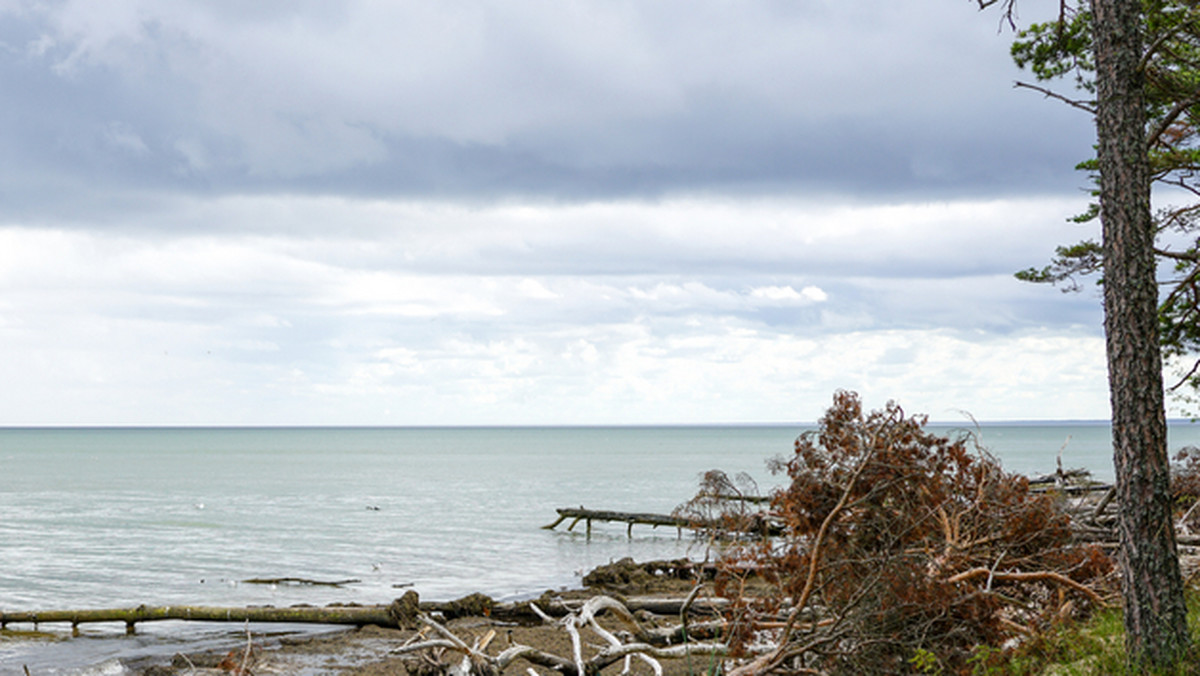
402, 612
894, 544
898, 542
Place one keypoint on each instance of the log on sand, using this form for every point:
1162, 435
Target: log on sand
398, 614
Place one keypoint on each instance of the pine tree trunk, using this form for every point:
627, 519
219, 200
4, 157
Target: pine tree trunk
1155, 614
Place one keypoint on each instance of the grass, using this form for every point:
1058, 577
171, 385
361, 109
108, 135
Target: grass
1092, 648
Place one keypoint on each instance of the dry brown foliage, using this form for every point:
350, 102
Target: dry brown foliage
726, 507
896, 540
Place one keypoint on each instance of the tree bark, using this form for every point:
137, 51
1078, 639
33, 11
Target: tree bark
1151, 584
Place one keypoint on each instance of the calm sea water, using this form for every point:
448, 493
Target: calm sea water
120, 517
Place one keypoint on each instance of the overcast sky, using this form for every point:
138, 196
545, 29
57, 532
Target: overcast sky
531, 212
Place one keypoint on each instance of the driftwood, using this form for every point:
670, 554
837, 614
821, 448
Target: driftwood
630, 518
355, 615
648, 645
401, 612
756, 526
300, 581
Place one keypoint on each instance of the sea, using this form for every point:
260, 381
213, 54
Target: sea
120, 517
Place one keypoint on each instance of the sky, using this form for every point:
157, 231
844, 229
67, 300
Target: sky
532, 212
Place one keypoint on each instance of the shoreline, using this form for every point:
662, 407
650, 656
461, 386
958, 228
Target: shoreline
316, 649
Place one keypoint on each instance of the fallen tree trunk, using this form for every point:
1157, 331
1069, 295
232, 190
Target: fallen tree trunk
753, 525
630, 518
355, 615
385, 616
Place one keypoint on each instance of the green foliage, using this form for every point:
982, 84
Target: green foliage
1082, 259
1052, 50
925, 662
1095, 647
1171, 63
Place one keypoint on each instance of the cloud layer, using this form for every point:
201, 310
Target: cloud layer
529, 212
535, 99
535, 315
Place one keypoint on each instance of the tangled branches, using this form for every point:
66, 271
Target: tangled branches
892, 544
896, 540
725, 507
634, 642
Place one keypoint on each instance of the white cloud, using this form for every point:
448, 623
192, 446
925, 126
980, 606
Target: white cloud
786, 294
444, 314
224, 212
626, 237
535, 289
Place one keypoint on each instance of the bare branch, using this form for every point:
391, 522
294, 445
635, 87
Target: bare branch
577, 664
1188, 376
1192, 257
1039, 576
1010, 8
1086, 106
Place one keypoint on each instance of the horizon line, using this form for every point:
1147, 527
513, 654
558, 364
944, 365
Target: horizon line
699, 425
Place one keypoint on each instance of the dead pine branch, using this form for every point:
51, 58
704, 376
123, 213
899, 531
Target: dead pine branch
774, 659
897, 540
1037, 576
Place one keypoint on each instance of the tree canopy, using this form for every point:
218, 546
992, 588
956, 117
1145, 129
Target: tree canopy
1170, 62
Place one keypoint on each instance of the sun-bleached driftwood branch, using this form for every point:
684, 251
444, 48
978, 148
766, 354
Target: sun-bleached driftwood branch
131, 616
638, 642
401, 612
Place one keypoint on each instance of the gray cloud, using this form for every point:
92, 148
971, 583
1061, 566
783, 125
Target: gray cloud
522, 99
466, 212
